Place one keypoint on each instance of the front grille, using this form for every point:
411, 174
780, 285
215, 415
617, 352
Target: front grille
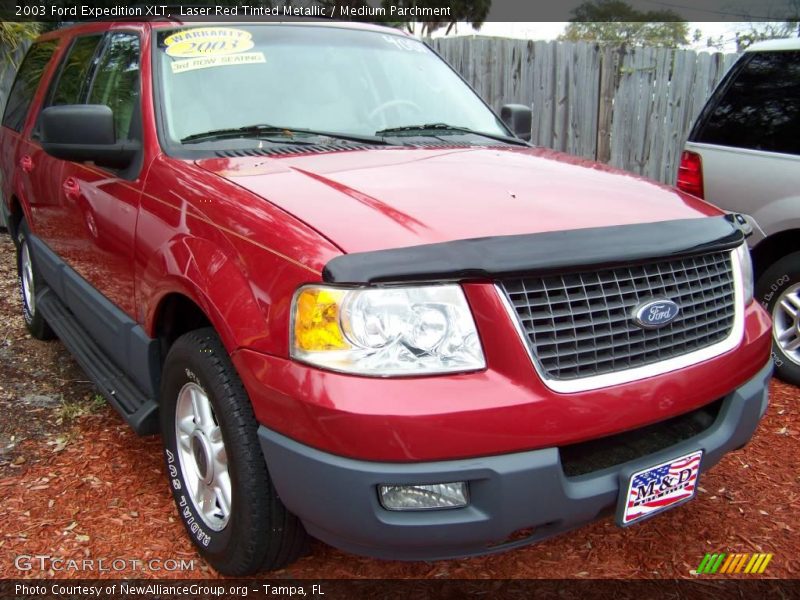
580, 324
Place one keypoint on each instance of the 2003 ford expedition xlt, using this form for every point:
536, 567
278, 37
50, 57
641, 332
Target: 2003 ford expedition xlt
356, 305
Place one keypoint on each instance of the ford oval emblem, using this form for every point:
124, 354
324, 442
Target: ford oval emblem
655, 314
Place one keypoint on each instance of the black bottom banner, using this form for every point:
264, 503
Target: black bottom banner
335, 589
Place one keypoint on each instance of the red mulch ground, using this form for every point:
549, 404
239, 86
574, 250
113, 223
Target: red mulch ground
76, 483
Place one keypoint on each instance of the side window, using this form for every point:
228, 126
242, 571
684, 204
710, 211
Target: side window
116, 81
760, 108
70, 88
27, 80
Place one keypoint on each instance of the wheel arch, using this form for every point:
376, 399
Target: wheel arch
773, 248
192, 283
176, 314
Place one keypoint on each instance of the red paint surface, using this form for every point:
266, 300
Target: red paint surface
397, 197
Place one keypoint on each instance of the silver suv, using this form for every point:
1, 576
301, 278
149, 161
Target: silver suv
743, 155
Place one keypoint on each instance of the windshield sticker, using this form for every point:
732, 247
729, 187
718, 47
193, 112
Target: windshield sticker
204, 62
208, 41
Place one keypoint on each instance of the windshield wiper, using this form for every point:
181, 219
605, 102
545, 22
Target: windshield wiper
287, 135
439, 128
235, 132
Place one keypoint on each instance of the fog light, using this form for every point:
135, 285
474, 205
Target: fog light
423, 497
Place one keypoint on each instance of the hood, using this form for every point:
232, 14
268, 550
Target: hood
385, 198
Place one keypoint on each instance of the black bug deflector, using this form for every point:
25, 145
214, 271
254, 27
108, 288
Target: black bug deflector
557, 251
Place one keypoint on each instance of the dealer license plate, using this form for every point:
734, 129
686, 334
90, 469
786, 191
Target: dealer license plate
655, 489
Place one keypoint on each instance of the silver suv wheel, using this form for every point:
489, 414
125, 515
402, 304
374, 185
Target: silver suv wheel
29, 283
786, 323
202, 455
26, 278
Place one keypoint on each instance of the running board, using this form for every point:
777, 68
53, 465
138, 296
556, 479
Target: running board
139, 411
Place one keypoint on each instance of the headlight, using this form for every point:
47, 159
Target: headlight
385, 331
746, 269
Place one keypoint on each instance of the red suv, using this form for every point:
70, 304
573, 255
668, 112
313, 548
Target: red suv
356, 305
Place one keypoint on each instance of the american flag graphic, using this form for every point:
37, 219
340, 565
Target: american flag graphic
661, 486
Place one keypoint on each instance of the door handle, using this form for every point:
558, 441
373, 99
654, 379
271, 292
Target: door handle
71, 188
26, 163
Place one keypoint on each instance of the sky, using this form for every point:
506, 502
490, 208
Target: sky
551, 30
688, 10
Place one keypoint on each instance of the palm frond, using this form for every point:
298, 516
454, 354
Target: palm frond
13, 35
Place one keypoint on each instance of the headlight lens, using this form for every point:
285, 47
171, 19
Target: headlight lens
386, 331
746, 269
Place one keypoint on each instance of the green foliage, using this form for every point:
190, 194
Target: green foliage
13, 35
759, 32
616, 22
70, 411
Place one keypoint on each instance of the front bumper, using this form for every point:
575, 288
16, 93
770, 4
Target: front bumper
336, 497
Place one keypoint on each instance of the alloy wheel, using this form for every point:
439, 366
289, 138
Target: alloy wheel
202, 455
786, 323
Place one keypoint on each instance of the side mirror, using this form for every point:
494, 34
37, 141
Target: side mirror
85, 132
519, 119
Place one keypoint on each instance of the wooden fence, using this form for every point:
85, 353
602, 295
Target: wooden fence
631, 107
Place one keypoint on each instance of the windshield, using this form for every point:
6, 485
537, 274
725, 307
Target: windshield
316, 78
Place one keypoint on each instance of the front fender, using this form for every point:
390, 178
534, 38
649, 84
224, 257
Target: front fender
237, 256
206, 274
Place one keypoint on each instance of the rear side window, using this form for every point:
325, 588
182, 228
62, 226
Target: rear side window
27, 81
760, 108
72, 83
116, 81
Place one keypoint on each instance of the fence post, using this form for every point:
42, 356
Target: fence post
609, 67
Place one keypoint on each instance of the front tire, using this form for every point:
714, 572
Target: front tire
778, 289
29, 283
217, 472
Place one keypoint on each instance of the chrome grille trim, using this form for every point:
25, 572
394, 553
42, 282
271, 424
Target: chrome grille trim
641, 372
